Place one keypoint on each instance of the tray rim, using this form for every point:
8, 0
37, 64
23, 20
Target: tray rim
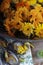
7, 37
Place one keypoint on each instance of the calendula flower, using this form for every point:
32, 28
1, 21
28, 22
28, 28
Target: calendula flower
36, 15
39, 30
38, 7
27, 29
41, 1
32, 2
22, 13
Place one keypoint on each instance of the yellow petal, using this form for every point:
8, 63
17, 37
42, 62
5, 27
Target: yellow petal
41, 1
32, 2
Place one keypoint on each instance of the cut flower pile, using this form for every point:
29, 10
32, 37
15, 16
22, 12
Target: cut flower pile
26, 17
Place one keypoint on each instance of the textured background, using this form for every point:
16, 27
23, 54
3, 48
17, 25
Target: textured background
38, 46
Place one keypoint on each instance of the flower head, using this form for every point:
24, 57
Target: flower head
27, 29
39, 30
41, 1
32, 2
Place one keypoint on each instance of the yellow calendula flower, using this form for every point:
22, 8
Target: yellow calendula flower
32, 2
39, 30
27, 29
41, 1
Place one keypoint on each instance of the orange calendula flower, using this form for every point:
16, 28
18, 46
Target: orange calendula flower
22, 4
37, 17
